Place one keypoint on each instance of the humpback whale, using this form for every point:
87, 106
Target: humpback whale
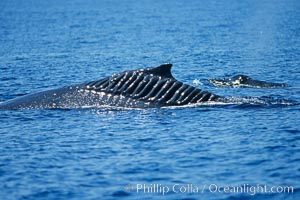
142, 88
244, 81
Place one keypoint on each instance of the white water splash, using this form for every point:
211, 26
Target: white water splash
197, 82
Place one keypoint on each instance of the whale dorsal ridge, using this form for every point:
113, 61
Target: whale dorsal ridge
163, 70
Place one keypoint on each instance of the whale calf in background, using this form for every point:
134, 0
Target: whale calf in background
244, 81
142, 88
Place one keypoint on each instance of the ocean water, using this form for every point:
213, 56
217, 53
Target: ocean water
202, 152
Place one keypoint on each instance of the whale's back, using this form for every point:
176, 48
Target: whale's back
151, 87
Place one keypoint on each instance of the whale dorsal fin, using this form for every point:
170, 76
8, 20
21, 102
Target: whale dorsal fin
163, 70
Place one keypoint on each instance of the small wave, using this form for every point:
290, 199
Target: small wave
108, 107
241, 102
260, 101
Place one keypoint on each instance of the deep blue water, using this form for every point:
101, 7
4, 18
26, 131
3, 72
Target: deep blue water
96, 153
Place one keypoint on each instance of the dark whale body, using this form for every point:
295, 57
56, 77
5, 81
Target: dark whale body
244, 81
143, 88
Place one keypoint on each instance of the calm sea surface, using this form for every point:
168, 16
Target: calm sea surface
139, 154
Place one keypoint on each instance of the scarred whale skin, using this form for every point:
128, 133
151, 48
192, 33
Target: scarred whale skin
142, 88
